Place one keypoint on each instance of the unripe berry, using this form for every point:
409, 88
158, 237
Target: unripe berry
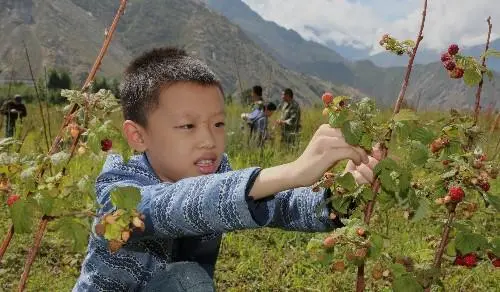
456, 194
361, 252
114, 245
81, 150
360, 231
100, 229
453, 49
327, 98
457, 73
439, 201
477, 164
338, 266
447, 199
125, 235
329, 242
325, 112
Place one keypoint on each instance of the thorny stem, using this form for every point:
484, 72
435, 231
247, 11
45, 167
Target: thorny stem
38, 98
483, 63
33, 251
67, 119
6, 241
451, 213
360, 281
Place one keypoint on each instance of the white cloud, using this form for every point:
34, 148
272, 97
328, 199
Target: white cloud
362, 23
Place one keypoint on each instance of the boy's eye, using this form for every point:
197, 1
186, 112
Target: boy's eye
186, 126
220, 125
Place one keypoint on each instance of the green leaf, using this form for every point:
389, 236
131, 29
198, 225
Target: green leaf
387, 182
398, 270
113, 231
377, 244
467, 242
493, 200
423, 135
337, 119
352, 132
341, 204
405, 115
422, 210
366, 141
404, 181
451, 249
347, 181
126, 197
495, 246
492, 53
406, 283
21, 213
74, 229
419, 153
367, 194
385, 164
472, 77
402, 131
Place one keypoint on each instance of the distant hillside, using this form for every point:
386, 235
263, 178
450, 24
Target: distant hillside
429, 81
69, 33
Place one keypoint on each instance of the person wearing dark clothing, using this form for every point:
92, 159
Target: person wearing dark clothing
13, 110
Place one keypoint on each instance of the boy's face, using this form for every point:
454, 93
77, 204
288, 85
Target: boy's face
268, 113
185, 134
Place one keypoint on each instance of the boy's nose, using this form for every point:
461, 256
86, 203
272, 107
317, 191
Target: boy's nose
207, 139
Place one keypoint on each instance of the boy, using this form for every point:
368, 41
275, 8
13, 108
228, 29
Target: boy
261, 121
173, 108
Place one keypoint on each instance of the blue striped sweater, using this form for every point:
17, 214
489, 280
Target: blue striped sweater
185, 220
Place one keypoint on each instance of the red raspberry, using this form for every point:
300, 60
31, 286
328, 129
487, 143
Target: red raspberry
485, 186
457, 73
459, 261
482, 157
445, 57
456, 194
449, 65
12, 199
470, 260
453, 49
496, 263
106, 144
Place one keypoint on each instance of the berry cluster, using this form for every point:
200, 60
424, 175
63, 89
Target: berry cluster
449, 62
117, 227
455, 195
469, 260
393, 45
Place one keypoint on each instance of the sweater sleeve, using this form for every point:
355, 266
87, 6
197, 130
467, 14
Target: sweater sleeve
193, 206
298, 209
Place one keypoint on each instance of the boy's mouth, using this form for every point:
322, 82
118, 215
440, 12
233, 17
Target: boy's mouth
206, 166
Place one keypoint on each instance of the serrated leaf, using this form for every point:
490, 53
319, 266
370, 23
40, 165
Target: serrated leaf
385, 164
422, 210
423, 135
495, 246
367, 194
21, 213
472, 77
341, 204
126, 197
352, 132
404, 181
377, 244
74, 229
337, 119
366, 141
419, 153
347, 181
406, 283
493, 200
113, 231
387, 182
405, 115
467, 242
398, 270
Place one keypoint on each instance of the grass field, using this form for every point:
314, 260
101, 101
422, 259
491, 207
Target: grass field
250, 260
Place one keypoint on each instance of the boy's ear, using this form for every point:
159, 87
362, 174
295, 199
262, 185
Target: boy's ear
135, 135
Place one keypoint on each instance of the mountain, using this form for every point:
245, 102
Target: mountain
426, 56
429, 80
69, 33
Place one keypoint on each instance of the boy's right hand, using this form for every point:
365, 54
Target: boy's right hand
326, 148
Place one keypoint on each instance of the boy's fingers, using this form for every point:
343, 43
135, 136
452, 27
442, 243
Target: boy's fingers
359, 177
342, 153
326, 130
366, 172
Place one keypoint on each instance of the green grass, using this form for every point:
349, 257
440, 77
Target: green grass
251, 260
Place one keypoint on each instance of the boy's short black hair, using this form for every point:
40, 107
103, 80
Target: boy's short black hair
257, 89
270, 106
149, 73
288, 92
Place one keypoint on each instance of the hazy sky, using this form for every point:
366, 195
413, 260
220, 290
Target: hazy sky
363, 22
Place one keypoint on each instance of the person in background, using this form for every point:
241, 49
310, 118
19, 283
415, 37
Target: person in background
260, 124
13, 110
256, 109
289, 120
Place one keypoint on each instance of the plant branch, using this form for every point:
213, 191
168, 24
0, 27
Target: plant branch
6, 241
90, 78
32, 254
37, 97
444, 237
360, 281
483, 63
